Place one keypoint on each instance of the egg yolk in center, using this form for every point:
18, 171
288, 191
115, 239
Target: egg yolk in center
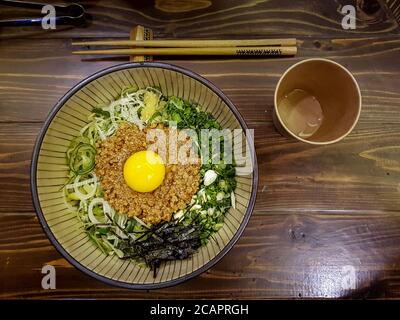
144, 171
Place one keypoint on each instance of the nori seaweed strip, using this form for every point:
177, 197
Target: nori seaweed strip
167, 241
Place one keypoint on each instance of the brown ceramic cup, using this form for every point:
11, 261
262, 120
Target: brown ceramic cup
336, 90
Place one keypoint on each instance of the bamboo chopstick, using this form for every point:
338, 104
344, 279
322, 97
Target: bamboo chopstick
190, 43
224, 51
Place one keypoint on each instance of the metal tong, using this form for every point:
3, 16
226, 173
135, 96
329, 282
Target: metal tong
68, 14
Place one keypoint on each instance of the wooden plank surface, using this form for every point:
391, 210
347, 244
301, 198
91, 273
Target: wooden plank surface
319, 209
214, 19
280, 255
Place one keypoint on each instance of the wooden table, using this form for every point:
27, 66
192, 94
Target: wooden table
320, 209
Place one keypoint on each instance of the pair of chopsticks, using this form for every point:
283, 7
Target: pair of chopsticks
254, 47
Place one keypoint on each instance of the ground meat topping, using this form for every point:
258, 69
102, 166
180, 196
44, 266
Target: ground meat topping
181, 181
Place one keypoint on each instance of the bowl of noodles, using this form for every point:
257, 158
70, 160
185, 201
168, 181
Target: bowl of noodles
144, 175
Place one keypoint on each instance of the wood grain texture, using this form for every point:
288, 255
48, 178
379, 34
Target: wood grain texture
215, 19
318, 208
280, 255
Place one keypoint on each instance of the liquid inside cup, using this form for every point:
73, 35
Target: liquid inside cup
301, 112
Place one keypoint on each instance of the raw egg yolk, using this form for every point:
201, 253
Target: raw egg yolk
144, 171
